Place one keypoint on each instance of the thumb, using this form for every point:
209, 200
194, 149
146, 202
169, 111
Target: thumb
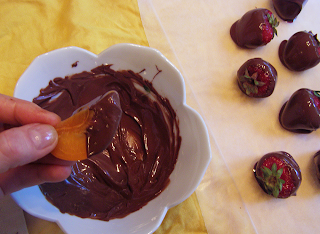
25, 144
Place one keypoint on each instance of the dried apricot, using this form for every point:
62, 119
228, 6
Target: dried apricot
72, 139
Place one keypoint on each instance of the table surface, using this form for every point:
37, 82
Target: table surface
194, 36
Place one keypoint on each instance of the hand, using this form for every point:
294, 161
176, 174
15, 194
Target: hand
24, 159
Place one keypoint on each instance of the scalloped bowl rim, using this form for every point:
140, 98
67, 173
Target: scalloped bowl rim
194, 156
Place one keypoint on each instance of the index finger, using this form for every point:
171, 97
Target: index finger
20, 112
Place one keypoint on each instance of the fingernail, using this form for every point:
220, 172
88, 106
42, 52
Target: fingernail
42, 135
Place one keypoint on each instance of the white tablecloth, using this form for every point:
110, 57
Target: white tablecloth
194, 35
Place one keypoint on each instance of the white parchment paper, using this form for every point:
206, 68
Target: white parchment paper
194, 35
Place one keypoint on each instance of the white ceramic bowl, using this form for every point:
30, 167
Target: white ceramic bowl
194, 155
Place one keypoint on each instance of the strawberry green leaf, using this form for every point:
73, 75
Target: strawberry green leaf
275, 192
317, 93
279, 173
280, 186
266, 172
250, 88
259, 83
254, 76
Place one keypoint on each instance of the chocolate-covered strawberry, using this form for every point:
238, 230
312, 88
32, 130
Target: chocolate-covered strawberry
255, 28
301, 113
278, 174
300, 52
257, 78
316, 160
288, 10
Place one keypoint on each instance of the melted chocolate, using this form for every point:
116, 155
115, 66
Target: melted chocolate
289, 161
104, 123
136, 166
300, 113
300, 52
247, 31
75, 64
269, 71
288, 10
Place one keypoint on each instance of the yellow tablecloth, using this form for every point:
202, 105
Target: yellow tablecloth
31, 28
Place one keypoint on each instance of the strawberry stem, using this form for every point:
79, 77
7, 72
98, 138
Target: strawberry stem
317, 93
250, 83
274, 23
316, 38
271, 180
